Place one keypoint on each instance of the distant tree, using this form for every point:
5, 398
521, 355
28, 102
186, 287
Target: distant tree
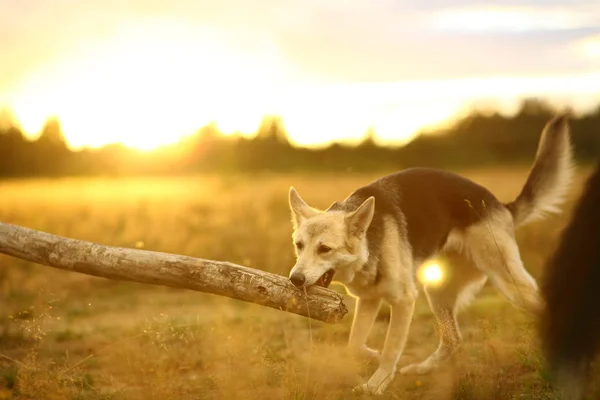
272, 128
52, 133
535, 107
7, 120
368, 140
210, 131
50, 155
477, 139
13, 146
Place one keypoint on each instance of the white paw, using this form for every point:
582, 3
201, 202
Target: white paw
418, 369
378, 382
365, 388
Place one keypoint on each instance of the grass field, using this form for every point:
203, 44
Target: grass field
70, 336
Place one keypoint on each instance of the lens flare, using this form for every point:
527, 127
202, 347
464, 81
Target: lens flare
431, 274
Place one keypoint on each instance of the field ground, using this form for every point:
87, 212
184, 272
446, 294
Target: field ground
70, 336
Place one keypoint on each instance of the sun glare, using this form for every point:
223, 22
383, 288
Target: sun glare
153, 83
590, 47
156, 81
431, 273
149, 85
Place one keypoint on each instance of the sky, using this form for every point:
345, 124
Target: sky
145, 73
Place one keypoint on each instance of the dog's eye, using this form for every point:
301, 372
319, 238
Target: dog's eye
323, 249
299, 245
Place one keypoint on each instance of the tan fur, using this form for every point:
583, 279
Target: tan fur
491, 245
343, 254
481, 251
397, 288
551, 174
462, 281
486, 250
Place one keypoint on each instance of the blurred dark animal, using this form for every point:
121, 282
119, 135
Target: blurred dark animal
570, 328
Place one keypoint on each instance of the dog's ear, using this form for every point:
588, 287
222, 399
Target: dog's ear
359, 220
334, 206
300, 210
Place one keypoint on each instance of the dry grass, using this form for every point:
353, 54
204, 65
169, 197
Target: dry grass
71, 336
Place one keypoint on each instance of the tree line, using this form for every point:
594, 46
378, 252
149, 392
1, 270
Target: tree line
477, 139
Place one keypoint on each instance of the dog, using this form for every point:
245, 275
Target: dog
570, 287
373, 242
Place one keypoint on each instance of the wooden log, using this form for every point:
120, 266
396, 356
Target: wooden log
217, 277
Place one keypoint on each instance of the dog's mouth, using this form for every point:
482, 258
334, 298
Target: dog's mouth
325, 279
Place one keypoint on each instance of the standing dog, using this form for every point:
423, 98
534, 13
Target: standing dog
374, 240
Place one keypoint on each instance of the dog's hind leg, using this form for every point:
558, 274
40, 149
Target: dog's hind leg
494, 250
462, 281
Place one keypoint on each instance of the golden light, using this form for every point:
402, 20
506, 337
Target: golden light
590, 47
156, 81
396, 111
431, 273
150, 84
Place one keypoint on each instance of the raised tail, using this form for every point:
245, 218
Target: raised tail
550, 176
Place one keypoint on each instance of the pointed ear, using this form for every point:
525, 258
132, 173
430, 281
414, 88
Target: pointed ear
300, 210
335, 205
359, 220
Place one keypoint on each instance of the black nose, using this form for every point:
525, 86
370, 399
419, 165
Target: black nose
297, 279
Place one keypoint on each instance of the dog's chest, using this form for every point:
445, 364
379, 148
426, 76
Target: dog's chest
363, 291
366, 286
364, 283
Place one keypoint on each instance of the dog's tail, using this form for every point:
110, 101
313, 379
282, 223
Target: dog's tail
550, 176
570, 324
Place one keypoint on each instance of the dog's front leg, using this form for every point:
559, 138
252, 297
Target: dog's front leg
402, 312
364, 317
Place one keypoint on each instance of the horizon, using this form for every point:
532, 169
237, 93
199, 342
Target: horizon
148, 75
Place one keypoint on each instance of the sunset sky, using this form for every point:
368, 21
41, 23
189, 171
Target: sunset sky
147, 72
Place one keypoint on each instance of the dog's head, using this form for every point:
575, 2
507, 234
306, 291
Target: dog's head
328, 243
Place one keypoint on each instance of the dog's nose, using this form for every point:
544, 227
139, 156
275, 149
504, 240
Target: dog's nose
297, 279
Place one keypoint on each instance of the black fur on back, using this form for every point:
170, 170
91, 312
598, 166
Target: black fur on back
570, 326
427, 203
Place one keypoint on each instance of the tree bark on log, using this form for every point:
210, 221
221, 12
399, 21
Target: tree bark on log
217, 277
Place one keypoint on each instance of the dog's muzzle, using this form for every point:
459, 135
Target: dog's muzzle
298, 279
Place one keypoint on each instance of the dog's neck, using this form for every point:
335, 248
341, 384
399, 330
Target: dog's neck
367, 275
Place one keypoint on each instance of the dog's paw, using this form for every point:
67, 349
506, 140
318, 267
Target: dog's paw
418, 368
368, 390
378, 382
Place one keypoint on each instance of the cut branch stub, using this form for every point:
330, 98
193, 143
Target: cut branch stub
217, 277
